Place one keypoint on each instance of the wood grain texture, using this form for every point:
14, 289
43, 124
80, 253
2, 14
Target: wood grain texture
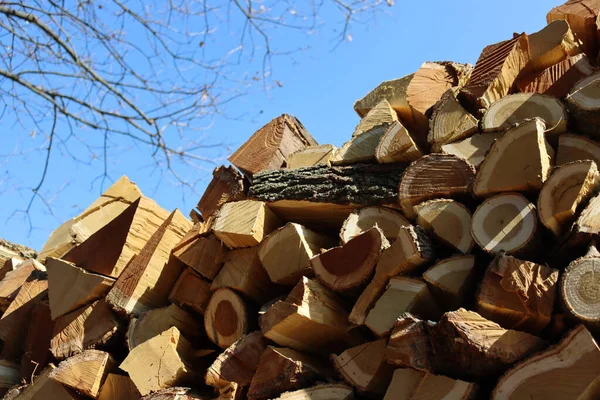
581, 16
226, 185
85, 372
190, 292
449, 121
36, 349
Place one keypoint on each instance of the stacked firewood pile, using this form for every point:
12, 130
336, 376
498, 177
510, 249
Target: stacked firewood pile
446, 251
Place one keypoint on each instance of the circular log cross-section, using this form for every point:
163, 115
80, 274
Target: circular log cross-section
225, 318
584, 104
387, 220
580, 288
505, 222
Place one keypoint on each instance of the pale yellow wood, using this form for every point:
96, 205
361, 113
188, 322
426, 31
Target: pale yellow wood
450, 122
119, 387
312, 155
308, 213
190, 292
201, 250
450, 279
388, 220
244, 223
226, 318
582, 18
361, 148
85, 372
575, 148
394, 91
437, 387
397, 145
45, 388
404, 383
326, 391
12, 282
70, 287
552, 44
472, 149
449, 221
377, 118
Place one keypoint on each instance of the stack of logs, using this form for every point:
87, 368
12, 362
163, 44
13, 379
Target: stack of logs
446, 251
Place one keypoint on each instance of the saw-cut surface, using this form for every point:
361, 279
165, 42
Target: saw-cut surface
449, 221
377, 119
361, 148
450, 122
409, 384
388, 220
579, 288
226, 185
450, 279
312, 155
85, 372
225, 318
584, 102
581, 16
576, 148
552, 44
330, 391
397, 145
472, 149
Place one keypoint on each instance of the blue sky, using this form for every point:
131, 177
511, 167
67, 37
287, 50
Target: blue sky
319, 86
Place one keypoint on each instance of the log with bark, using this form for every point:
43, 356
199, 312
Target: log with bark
581, 16
583, 103
579, 288
409, 345
386, 219
396, 145
447, 220
577, 148
450, 122
226, 185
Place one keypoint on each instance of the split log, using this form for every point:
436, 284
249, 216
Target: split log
201, 250
175, 393
592, 391
584, 104
311, 319
516, 108
328, 391
226, 318
269, 147
361, 184
411, 250
409, 345
581, 16
472, 149
226, 185
408, 384
83, 329
320, 216
377, 119
10, 250
496, 70
579, 289
238, 362
397, 145
553, 44
518, 294
161, 362
311, 156
394, 91
577, 148
295, 244
557, 80
10, 265
153, 322
348, 267
36, 354
520, 160
450, 279
281, 370
401, 295
361, 148
119, 387
447, 220
364, 367
450, 122
190, 292
467, 346
505, 222
43, 387
85, 372
244, 223
15, 320
565, 192
434, 176
104, 210
71, 287
576, 359
12, 282
244, 273
388, 220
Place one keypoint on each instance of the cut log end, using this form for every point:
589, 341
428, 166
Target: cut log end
580, 290
449, 221
389, 221
225, 318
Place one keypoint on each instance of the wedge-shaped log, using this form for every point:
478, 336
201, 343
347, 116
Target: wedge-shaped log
9, 265
15, 320
153, 322
163, 361
238, 362
411, 250
449, 221
118, 387
409, 384
244, 273
496, 70
450, 122
9, 250
244, 223
472, 149
43, 387
364, 367
179, 393
518, 294
450, 279
505, 222
434, 176
578, 288
311, 156
361, 148
409, 345
520, 160
401, 295
467, 346
85, 372
296, 245
576, 356
36, 353
377, 119
201, 250
326, 391
226, 318
393, 91
388, 220
281, 369
577, 148
584, 105
312, 319
269, 147
147, 281
190, 292
516, 108
348, 267
557, 80
565, 192
12, 282
83, 329
226, 185
71, 287
397, 145
581, 16
553, 44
